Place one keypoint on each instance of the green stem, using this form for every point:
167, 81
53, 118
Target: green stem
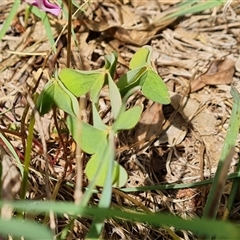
27, 157
233, 194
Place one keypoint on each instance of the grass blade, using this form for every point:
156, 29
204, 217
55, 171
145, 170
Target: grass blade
190, 7
206, 227
9, 19
232, 133
27, 229
11, 149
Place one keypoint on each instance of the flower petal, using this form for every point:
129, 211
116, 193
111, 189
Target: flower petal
45, 6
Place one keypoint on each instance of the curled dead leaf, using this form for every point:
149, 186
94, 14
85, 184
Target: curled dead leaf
130, 36
176, 132
219, 72
10, 183
150, 123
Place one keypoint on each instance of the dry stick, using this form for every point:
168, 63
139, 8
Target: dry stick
78, 185
226, 6
60, 180
38, 116
69, 35
22, 127
131, 199
44, 145
61, 142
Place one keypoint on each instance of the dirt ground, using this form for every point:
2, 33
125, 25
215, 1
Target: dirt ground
171, 144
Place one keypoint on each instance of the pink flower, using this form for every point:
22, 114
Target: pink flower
45, 6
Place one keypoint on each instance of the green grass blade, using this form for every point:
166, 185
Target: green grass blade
176, 186
27, 229
27, 157
232, 195
236, 121
230, 141
206, 227
9, 19
11, 149
190, 7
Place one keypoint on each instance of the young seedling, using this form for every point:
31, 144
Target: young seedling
98, 139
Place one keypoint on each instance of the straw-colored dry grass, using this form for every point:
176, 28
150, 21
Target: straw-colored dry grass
189, 148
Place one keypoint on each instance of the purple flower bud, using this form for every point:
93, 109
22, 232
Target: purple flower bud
45, 6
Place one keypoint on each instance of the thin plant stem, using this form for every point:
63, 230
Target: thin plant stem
79, 164
69, 33
61, 142
27, 157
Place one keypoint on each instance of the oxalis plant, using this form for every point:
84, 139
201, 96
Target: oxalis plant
98, 139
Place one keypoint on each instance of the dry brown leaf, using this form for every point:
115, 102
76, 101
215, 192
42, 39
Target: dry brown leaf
115, 45
237, 64
10, 177
176, 133
188, 107
150, 123
219, 72
186, 34
86, 50
205, 123
135, 36
137, 3
10, 183
132, 26
204, 120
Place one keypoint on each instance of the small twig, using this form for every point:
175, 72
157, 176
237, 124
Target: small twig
225, 8
22, 127
61, 143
